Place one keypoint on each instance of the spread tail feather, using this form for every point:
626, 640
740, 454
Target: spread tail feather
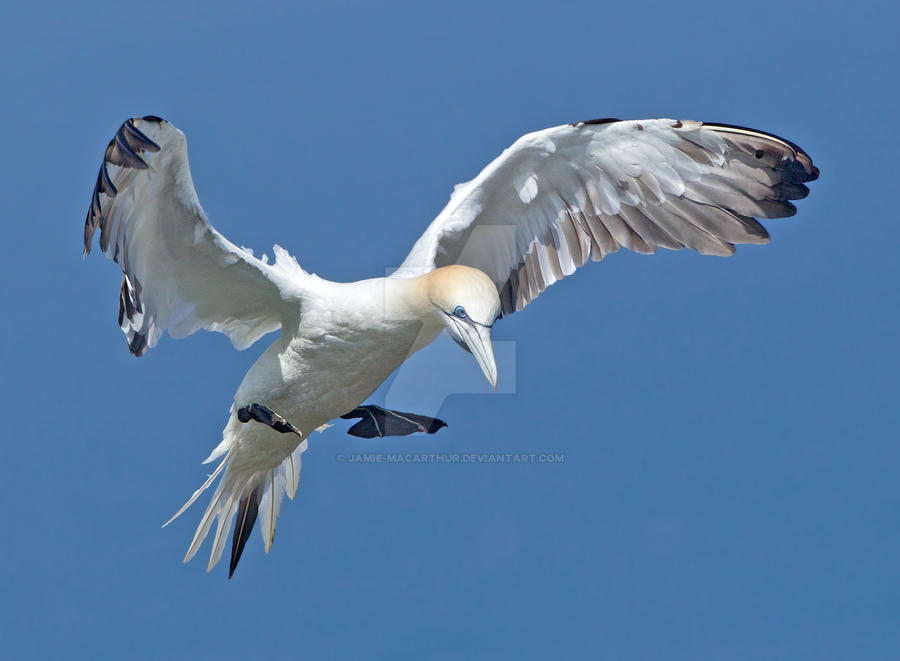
283, 480
247, 511
248, 496
197, 493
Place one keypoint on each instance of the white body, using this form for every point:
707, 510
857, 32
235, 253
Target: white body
350, 338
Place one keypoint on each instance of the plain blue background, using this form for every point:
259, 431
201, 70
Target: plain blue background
730, 485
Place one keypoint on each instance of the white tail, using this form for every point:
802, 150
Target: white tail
266, 489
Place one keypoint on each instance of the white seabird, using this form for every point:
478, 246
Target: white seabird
546, 205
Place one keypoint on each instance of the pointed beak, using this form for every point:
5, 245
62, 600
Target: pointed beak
478, 341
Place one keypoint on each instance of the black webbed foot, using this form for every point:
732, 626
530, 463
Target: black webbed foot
377, 422
266, 416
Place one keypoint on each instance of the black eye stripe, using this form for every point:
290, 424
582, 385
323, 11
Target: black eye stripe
467, 318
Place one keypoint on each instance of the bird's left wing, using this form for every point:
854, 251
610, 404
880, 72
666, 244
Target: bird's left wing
178, 272
560, 196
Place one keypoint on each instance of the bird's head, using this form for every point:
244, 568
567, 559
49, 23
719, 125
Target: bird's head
466, 301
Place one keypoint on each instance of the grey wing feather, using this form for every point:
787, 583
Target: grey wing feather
560, 197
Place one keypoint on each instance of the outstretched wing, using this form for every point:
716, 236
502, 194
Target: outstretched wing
562, 195
178, 271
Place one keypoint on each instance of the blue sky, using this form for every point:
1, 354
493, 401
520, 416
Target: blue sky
729, 427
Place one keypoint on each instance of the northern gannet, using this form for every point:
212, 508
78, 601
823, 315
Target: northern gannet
547, 204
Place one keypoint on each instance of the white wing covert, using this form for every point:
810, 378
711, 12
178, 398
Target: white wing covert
178, 271
565, 194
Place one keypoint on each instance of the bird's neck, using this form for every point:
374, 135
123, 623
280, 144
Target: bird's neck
406, 299
407, 305
398, 311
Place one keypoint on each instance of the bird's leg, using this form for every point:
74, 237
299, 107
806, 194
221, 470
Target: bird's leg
266, 416
377, 422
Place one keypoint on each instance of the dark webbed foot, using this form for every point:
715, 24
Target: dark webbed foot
377, 422
266, 416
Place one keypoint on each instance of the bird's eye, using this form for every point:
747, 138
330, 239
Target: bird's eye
460, 312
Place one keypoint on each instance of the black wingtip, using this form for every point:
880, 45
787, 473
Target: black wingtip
599, 120
737, 127
798, 170
243, 526
138, 345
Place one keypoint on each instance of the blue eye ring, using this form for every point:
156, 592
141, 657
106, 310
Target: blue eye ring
460, 312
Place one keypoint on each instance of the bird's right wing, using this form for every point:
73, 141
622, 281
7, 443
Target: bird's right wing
178, 272
559, 197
